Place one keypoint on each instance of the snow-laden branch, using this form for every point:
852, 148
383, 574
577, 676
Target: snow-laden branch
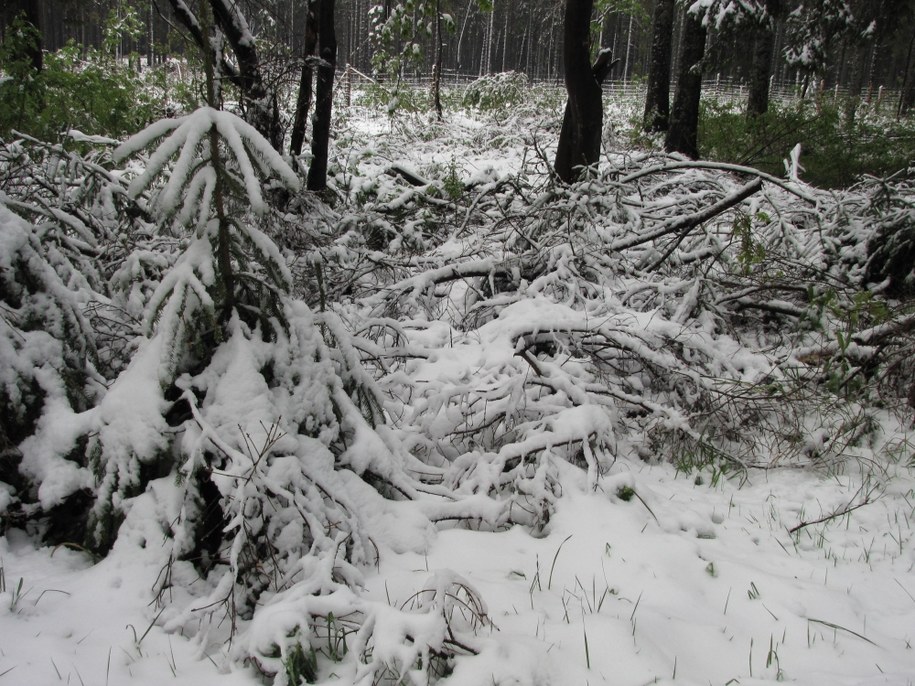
188, 138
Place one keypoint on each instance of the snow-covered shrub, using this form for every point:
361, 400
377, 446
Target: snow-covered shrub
497, 93
66, 221
276, 433
891, 246
663, 310
47, 352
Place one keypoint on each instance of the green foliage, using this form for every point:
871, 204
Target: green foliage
752, 252
399, 36
842, 371
497, 93
21, 91
625, 493
79, 88
122, 21
397, 97
836, 149
300, 665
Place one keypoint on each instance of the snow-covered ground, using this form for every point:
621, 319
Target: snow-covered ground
685, 582
645, 574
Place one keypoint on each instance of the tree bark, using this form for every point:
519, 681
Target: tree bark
907, 94
761, 72
259, 100
657, 98
324, 95
683, 134
437, 63
582, 123
306, 81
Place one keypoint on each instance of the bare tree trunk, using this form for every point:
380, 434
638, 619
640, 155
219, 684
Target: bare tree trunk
628, 49
324, 95
761, 74
437, 66
582, 123
261, 107
684, 120
486, 66
306, 79
657, 97
259, 100
907, 95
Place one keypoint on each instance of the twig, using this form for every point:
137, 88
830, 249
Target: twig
838, 513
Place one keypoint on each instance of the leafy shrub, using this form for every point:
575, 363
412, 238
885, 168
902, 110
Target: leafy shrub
88, 92
497, 92
836, 148
396, 97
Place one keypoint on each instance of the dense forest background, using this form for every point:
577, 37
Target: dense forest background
497, 36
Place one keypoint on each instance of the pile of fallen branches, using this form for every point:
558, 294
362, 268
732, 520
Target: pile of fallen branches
663, 309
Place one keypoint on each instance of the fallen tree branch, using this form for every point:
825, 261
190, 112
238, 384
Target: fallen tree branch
718, 166
868, 500
686, 223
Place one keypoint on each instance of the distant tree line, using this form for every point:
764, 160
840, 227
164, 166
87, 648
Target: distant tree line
487, 36
258, 46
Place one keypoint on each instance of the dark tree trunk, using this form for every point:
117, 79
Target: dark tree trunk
306, 81
437, 64
31, 51
763, 52
33, 16
579, 139
261, 107
907, 95
684, 120
260, 101
657, 98
324, 95
190, 22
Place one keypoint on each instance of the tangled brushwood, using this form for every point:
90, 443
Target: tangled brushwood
271, 385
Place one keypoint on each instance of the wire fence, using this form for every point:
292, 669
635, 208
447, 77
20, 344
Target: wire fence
722, 89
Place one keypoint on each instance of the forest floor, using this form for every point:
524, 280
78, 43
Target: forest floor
697, 580
651, 574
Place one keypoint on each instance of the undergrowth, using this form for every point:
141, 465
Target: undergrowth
840, 141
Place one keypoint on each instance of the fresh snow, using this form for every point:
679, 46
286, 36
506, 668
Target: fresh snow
685, 583
643, 574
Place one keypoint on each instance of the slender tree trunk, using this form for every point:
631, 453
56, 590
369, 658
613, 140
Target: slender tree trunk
223, 235
579, 139
657, 97
505, 39
260, 101
907, 94
684, 119
626, 64
306, 79
437, 66
761, 73
324, 95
